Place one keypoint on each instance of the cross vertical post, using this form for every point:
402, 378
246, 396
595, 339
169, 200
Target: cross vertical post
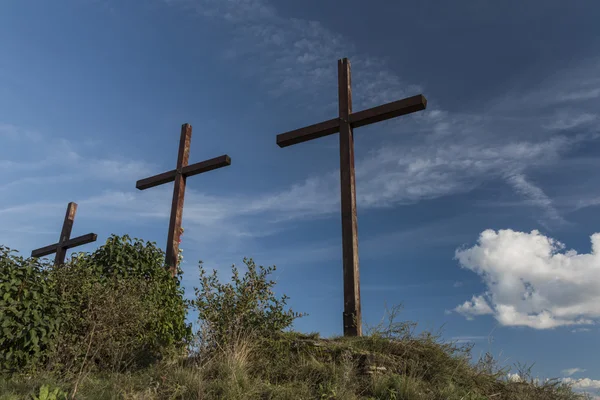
344, 124
352, 313
65, 233
65, 242
172, 251
179, 175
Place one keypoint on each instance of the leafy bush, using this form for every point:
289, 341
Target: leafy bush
122, 308
116, 308
29, 311
247, 306
122, 259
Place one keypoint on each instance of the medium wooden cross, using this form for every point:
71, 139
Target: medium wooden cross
344, 124
65, 242
179, 175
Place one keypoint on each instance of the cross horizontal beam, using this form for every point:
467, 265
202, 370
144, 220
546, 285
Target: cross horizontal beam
309, 133
78, 241
190, 170
357, 119
388, 111
205, 166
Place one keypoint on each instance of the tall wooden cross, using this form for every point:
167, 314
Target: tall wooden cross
179, 175
65, 242
344, 124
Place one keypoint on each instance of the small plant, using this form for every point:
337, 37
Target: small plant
247, 304
47, 393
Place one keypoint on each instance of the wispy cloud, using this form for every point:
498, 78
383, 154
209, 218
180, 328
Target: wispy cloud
575, 92
298, 51
537, 197
12, 132
64, 160
448, 153
432, 285
567, 121
453, 153
577, 330
572, 371
588, 93
467, 339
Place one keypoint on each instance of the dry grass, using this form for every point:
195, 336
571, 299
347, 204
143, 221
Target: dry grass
296, 366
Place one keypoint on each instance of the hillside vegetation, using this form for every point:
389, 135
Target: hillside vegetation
111, 325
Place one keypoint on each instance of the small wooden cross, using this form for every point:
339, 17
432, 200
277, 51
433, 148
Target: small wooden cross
65, 242
344, 124
179, 175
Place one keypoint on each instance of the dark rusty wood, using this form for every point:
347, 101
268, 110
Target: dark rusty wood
344, 124
189, 170
310, 132
156, 180
178, 197
357, 119
67, 244
352, 314
65, 233
179, 175
388, 111
205, 166
64, 242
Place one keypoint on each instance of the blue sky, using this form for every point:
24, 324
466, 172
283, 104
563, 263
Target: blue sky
463, 208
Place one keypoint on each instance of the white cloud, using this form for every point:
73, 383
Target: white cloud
476, 306
583, 383
572, 371
530, 282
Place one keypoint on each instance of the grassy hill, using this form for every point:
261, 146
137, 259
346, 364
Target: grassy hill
297, 366
111, 325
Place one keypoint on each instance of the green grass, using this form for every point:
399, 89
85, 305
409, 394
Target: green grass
298, 366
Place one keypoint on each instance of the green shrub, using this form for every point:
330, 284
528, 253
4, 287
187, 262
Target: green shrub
117, 308
246, 306
122, 259
122, 308
29, 311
